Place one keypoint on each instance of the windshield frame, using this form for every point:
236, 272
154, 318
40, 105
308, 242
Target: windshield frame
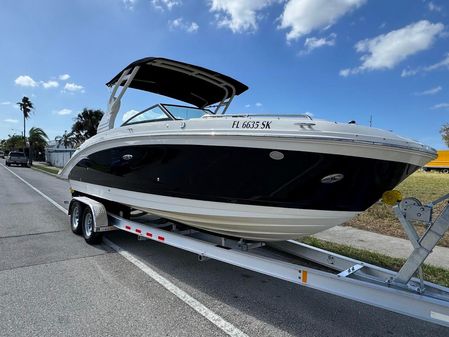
166, 105
169, 116
166, 110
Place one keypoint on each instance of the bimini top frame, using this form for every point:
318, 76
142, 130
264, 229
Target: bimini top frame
185, 82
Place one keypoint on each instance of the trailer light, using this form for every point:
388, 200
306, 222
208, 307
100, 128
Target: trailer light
138, 231
391, 197
128, 227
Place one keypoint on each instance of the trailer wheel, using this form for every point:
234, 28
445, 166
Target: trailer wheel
445, 170
88, 228
76, 212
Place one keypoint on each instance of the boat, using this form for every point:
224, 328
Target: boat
256, 177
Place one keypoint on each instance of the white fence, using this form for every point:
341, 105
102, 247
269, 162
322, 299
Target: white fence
58, 157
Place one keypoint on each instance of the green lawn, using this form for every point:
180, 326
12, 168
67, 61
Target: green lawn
46, 168
425, 186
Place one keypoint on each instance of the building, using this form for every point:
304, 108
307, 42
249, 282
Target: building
57, 154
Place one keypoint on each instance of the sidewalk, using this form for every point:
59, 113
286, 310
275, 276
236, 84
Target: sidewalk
383, 244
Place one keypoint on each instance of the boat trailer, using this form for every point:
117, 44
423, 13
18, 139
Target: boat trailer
404, 292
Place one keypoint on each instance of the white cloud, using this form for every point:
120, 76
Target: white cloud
180, 24
302, 17
5, 103
63, 112
165, 4
444, 63
387, 50
72, 87
25, 81
193, 27
238, 15
441, 106
312, 43
11, 120
247, 105
409, 72
434, 8
50, 84
129, 4
345, 72
431, 91
64, 77
127, 115
258, 104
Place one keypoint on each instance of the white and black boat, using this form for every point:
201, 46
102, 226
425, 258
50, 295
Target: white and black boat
259, 177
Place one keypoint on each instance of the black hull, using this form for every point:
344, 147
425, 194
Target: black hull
245, 175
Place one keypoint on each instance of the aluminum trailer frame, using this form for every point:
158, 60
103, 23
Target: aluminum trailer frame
342, 276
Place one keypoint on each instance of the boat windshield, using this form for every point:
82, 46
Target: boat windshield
152, 114
185, 112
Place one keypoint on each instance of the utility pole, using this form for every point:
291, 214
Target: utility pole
370, 120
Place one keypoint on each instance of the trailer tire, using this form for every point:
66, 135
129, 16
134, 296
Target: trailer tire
445, 170
90, 236
76, 217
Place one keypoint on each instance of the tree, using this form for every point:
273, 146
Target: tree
38, 140
445, 133
86, 124
25, 106
67, 139
13, 142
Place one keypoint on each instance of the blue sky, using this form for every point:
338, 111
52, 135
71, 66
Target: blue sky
339, 60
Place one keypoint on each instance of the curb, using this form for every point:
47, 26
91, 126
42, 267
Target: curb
36, 168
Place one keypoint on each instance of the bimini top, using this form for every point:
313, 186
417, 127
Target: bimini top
182, 81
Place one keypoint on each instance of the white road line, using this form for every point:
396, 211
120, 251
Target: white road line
36, 190
224, 325
200, 308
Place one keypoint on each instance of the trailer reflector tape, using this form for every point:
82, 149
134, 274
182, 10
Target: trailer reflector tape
138, 231
161, 238
149, 235
438, 316
128, 227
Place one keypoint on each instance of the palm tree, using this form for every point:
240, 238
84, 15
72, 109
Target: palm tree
25, 106
67, 139
444, 131
86, 124
38, 140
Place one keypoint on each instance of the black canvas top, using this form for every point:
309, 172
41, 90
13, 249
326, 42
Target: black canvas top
179, 80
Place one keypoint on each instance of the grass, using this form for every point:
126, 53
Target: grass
46, 168
426, 186
432, 274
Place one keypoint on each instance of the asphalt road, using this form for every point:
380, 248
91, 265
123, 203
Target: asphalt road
53, 284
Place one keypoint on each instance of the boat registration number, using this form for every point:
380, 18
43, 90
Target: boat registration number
251, 125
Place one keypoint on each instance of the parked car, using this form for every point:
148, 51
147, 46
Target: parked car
17, 158
2, 154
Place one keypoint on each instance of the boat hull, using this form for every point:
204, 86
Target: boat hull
253, 193
242, 221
